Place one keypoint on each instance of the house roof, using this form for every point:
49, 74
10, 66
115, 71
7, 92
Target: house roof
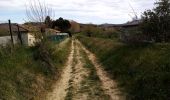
5, 27
51, 31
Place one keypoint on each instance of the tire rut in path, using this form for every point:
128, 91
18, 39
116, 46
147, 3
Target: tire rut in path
108, 85
60, 88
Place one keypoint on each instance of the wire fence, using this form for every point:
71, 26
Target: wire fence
9, 32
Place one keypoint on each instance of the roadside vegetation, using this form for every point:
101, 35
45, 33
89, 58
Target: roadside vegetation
96, 31
143, 70
28, 72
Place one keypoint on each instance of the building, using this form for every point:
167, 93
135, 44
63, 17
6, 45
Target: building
55, 35
26, 37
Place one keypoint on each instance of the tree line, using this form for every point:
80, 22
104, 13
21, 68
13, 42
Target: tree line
60, 24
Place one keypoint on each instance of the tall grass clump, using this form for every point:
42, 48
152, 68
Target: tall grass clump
27, 73
142, 70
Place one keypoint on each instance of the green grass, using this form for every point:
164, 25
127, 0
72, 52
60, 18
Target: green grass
143, 70
91, 83
24, 75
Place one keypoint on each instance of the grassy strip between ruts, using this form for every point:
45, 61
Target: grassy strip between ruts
143, 70
26, 73
91, 83
69, 95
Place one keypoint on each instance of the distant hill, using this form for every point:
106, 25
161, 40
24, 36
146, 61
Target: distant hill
128, 24
75, 26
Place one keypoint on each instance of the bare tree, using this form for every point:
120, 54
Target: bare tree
37, 12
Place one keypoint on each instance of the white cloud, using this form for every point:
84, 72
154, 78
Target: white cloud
102, 10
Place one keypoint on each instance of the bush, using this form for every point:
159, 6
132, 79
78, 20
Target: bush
94, 31
133, 36
156, 22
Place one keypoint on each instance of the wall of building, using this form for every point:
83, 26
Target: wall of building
27, 38
31, 39
4, 40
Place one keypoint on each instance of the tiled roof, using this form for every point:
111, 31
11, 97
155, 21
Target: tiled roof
5, 26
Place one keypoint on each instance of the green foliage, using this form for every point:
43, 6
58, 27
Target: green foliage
48, 22
156, 22
142, 70
132, 36
27, 73
94, 31
62, 24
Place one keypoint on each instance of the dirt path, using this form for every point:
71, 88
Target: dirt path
78, 73
109, 85
83, 79
60, 89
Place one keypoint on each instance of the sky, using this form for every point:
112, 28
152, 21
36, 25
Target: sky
82, 11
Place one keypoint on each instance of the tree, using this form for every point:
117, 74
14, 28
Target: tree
38, 12
62, 24
156, 22
48, 22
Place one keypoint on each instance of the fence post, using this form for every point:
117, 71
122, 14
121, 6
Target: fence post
10, 30
19, 34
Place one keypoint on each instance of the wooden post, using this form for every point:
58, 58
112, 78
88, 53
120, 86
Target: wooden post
10, 30
19, 35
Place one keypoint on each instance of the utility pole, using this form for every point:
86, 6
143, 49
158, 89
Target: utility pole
10, 30
19, 35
